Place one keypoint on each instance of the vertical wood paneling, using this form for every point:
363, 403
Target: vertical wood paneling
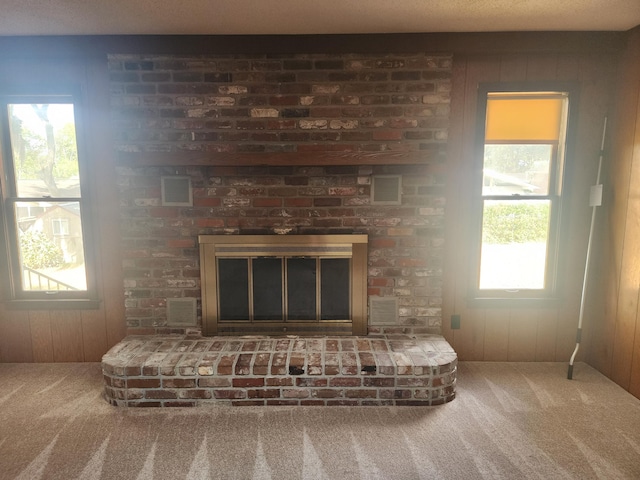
634, 377
546, 335
542, 68
523, 329
617, 193
66, 331
94, 335
629, 286
513, 68
529, 333
496, 334
15, 337
453, 229
106, 205
600, 348
629, 218
41, 338
620, 173
617, 351
469, 339
568, 68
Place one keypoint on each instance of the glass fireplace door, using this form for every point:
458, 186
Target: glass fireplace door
291, 289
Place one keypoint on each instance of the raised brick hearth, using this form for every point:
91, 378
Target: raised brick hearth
182, 370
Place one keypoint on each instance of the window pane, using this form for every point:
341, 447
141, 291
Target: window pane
45, 155
50, 246
515, 169
514, 244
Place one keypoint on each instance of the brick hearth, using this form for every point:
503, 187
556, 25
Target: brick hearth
183, 370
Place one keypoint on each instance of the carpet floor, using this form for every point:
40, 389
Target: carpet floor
509, 421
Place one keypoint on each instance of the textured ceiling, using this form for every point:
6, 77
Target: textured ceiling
210, 17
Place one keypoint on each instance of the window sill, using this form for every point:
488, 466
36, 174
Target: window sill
514, 302
66, 304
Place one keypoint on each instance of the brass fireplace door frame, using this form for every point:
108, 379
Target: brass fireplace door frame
214, 247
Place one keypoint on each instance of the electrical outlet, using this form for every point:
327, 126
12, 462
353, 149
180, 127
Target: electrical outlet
455, 322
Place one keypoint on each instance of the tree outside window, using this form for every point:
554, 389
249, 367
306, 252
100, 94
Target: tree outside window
43, 201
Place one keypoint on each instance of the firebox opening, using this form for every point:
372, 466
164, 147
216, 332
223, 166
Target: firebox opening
271, 284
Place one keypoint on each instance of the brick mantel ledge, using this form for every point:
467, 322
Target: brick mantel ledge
183, 370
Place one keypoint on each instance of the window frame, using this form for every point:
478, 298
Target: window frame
14, 295
560, 174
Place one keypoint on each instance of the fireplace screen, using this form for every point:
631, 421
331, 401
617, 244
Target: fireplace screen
268, 284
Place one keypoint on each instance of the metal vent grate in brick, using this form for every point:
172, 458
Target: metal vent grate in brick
386, 190
176, 191
181, 311
383, 310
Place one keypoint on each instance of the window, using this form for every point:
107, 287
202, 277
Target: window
45, 229
520, 191
60, 226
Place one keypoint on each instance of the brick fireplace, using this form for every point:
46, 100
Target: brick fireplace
282, 145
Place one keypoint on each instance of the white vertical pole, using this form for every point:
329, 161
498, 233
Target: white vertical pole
595, 200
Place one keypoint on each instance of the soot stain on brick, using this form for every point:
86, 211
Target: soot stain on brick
293, 370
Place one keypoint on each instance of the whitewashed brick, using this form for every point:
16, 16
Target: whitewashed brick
264, 113
343, 124
313, 124
221, 101
325, 89
233, 89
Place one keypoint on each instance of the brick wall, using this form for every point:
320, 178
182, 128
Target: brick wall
301, 104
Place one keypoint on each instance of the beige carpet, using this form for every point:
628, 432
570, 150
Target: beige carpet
510, 421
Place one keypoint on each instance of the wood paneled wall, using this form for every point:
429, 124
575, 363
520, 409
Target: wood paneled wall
615, 343
542, 334
545, 333
75, 335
